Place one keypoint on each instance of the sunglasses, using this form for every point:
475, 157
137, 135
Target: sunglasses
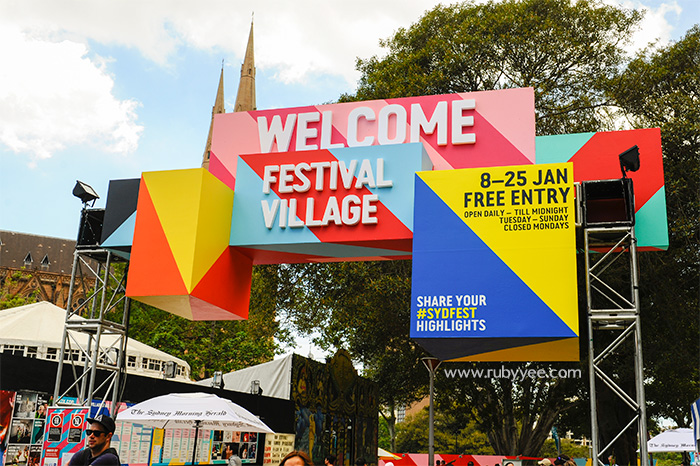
97, 433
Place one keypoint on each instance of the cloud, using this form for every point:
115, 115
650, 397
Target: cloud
53, 96
656, 26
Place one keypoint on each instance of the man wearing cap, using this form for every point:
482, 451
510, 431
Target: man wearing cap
561, 460
544, 462
98, 451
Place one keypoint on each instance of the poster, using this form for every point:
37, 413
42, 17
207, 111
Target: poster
494, 264
65, 435
277, 446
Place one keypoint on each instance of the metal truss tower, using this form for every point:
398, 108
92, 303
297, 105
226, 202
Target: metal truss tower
95, 332
614, 322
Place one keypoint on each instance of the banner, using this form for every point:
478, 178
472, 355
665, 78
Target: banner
494, 264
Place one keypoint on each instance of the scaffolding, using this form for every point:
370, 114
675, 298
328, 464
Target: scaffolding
613, 306
103, 318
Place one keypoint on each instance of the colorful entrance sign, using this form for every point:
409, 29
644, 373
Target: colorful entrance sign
494, 264
331, 204
335, 182
475, 129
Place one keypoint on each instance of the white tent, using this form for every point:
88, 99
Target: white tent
274, 377
672, 440
36, 330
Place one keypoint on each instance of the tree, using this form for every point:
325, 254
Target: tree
569, 52
516, 412
9, 298
662, 88
363, 307
568, 447
450, 438
217, 345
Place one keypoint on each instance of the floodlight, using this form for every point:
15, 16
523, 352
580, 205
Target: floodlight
629, 160
169, 369
84, 192
255, 388
218, 380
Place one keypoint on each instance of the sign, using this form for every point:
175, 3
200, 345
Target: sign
473, 129
494, 264
75, 430
55, 427
350, 203
277, 446
65, 435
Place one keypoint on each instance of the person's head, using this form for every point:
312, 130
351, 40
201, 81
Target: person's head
544, 462
99, 435
329, 460
471, 463
296, 458
235, 460
561, 459
360, 461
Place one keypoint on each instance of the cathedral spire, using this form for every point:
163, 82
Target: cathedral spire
245, 99
216, 109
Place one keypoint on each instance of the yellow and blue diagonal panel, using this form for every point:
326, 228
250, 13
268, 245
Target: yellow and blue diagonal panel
494, 264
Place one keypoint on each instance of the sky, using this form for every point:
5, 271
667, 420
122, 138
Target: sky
106, 89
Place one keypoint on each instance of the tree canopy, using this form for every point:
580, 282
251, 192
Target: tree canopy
567, 51
218, 345
572, 54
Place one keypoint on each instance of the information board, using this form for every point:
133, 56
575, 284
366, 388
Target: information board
494, 264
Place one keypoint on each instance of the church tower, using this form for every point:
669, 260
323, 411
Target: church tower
245, 99
216, 109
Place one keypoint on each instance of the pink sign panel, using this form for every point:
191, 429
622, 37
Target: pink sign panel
465, 130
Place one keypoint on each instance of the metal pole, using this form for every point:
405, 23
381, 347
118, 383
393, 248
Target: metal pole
591, 360
61, 355
639, 361
196, 431
432, 365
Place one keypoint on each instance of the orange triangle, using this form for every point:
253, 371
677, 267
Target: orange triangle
227, 283
152, 268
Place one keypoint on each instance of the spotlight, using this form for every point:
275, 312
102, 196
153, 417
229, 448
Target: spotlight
255, 388
629, 160
218, 380
84, 192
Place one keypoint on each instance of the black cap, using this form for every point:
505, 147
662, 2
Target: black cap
105, 421
561, 459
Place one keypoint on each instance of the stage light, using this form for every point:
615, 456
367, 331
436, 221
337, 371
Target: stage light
84, 192
629, 160
218, 380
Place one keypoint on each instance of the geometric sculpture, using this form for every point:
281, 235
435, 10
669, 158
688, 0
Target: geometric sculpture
180, 258
595, 157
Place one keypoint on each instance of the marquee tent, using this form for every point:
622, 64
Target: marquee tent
672, 440
36, 330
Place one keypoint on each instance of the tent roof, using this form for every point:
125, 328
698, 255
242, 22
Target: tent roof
672, 440
42, 324
275, 378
